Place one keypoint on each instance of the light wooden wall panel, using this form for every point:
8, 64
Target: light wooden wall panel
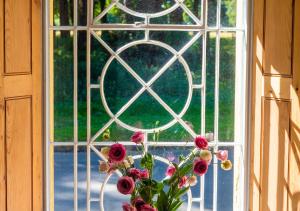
278, 20
21, 106
18, 132
17, 36
275, 120
274, 154
294, 159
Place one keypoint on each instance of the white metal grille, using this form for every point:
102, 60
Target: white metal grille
201, 28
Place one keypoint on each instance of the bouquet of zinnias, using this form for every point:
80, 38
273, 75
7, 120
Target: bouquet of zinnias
148, 194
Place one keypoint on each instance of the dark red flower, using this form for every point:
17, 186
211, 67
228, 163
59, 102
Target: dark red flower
125, 185
201, 142
134, 173
200, 167
117, 153
137, 137
128, 207
138, 203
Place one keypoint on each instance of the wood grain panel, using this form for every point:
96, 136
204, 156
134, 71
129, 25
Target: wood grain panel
37, 105
278, 37
2, 120
17, 36
277, 87
257, 77
275, 148
19, 85
294, 159
18, 134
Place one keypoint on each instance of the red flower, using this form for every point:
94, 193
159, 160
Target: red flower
148, 207
138, 203
117, 153
128, 207
201, 142
134, 173
182, 181
137, 137
144, 174
125, 185
170, 171
200, 167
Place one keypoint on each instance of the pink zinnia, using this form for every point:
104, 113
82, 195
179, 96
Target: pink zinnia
222, 155
148, 207
170, 171
137, 137
125, 185
201, 142
117, 153
182, 181
200, 167
144, 174
128, 207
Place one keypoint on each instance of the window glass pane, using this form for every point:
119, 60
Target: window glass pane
225, 184
63, 12
227, 86
63, 86
228, 13
212, 13
210, 81
63, 178
81, 90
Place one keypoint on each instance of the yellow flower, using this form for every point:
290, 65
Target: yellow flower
106, 136
226, 165
126, 164
105, 151
103, 166
205, 155
192, 181
130, 160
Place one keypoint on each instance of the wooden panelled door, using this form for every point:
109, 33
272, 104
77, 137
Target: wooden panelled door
21, 141
275, 114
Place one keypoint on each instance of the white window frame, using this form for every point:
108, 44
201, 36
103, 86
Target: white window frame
241, 96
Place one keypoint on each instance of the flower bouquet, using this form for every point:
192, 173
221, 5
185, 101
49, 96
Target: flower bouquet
146, 193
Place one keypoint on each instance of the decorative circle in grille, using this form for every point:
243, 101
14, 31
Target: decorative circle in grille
146, 86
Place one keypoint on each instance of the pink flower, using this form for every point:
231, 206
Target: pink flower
182, 181
200, 167
222, 155
137, 137
117, 153
125, 185
138, 203
148, 207
170, 171
128, 207
201, 142
144, 174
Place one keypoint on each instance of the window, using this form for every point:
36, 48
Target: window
172, 68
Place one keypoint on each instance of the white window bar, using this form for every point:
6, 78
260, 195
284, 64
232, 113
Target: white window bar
202, 28
75, 103
203, 95
216, 108
88, 82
